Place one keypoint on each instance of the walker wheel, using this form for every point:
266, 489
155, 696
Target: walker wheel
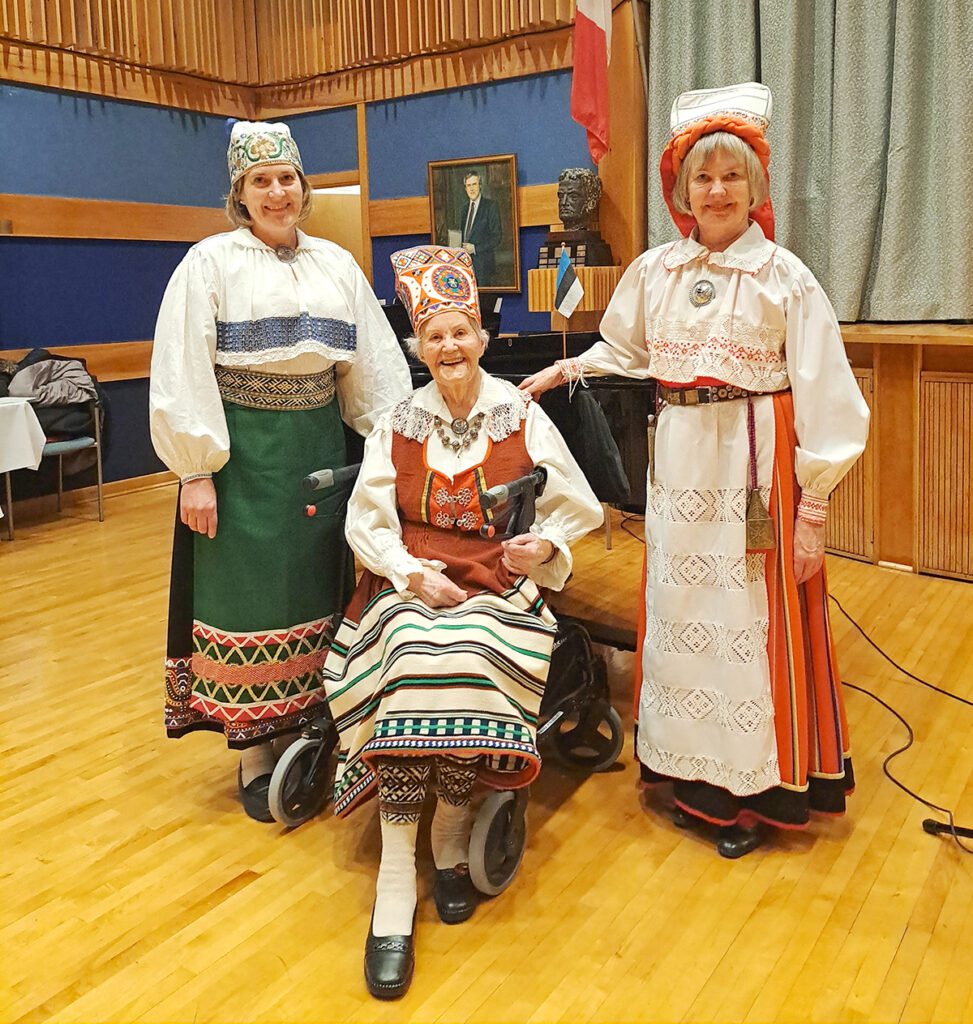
497, 842
300, 783
591, 738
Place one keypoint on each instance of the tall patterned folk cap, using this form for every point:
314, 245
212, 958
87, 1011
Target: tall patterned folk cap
254, 143
431, 279
744, 110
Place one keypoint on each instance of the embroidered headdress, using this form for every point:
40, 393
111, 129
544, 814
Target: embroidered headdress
254, 143
431, 279
744, 110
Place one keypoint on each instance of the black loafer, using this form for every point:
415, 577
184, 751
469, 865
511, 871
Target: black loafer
254, 796
736, 841
455, 894
390, 961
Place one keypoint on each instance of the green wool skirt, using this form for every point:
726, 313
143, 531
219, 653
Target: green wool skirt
250, 610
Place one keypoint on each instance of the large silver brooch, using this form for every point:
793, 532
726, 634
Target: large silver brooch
702, 293
285, 253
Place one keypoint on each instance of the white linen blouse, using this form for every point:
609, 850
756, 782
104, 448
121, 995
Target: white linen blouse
232, 302
567, 510
769, 326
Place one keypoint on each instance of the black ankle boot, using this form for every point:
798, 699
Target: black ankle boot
456, 896
736, 841
390, 961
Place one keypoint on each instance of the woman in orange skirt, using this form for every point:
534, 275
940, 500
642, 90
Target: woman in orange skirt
759, 418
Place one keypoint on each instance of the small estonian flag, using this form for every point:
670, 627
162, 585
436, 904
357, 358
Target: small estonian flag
567, 290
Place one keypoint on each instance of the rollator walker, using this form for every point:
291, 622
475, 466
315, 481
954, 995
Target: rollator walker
576, 720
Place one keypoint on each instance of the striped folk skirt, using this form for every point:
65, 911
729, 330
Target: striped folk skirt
405, 680
251, 610
739, 703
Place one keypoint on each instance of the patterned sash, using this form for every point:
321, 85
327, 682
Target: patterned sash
277, 391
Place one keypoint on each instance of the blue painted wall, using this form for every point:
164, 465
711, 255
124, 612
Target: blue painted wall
91, 148
530, 117
70, 291
327, 139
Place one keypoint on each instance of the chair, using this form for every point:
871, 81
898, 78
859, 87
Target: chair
60, 449
79, 444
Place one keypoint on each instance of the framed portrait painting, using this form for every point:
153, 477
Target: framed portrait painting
473, 206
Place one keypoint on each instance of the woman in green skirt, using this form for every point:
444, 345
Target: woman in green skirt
267, 340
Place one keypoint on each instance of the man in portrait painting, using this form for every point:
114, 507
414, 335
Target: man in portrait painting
480, 229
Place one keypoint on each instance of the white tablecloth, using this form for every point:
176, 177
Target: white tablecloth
21, 436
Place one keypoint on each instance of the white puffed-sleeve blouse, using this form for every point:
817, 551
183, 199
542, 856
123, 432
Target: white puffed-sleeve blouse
769, 326
232, 302
567, 510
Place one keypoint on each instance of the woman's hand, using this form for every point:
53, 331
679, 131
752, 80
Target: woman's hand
543, 380
435, 589
808, 550
197, 506
522, 554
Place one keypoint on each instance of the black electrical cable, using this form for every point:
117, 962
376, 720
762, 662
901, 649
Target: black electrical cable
929, 825
626, 518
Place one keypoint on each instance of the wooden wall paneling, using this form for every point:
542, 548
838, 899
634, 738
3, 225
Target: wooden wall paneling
57, 217
362, 128
850, 526
623, 216
895, 433
54, 22
946, 474
251, 41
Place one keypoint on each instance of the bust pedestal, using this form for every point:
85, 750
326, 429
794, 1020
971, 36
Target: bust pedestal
598, 284
585, 249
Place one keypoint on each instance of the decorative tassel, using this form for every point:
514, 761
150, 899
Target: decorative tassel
760, 527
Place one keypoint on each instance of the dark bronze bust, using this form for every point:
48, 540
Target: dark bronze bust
578, 197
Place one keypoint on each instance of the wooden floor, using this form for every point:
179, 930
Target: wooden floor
134, 889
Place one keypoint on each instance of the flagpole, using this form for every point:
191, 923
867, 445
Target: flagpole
564, 337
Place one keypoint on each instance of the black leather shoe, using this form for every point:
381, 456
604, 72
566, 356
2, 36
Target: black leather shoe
455, 893
389, 963
254, 796
736, 841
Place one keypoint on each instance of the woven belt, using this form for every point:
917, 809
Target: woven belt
278, 391
704, 395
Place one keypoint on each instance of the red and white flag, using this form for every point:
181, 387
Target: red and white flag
589, 83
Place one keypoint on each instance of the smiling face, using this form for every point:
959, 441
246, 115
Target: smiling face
472, 186
450, 346
273, 195
719, 198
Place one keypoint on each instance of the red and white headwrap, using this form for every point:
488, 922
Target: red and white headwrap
743, 110
431, 279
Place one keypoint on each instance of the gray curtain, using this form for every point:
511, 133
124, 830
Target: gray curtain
871, 138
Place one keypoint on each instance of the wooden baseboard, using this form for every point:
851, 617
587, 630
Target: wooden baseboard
43, 503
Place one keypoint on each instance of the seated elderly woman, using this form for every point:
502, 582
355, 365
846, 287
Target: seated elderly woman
443, 653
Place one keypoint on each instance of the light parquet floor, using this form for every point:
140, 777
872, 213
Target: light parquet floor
134, 889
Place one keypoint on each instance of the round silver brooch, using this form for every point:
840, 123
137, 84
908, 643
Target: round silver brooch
702, 293
459, 427
285, 253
